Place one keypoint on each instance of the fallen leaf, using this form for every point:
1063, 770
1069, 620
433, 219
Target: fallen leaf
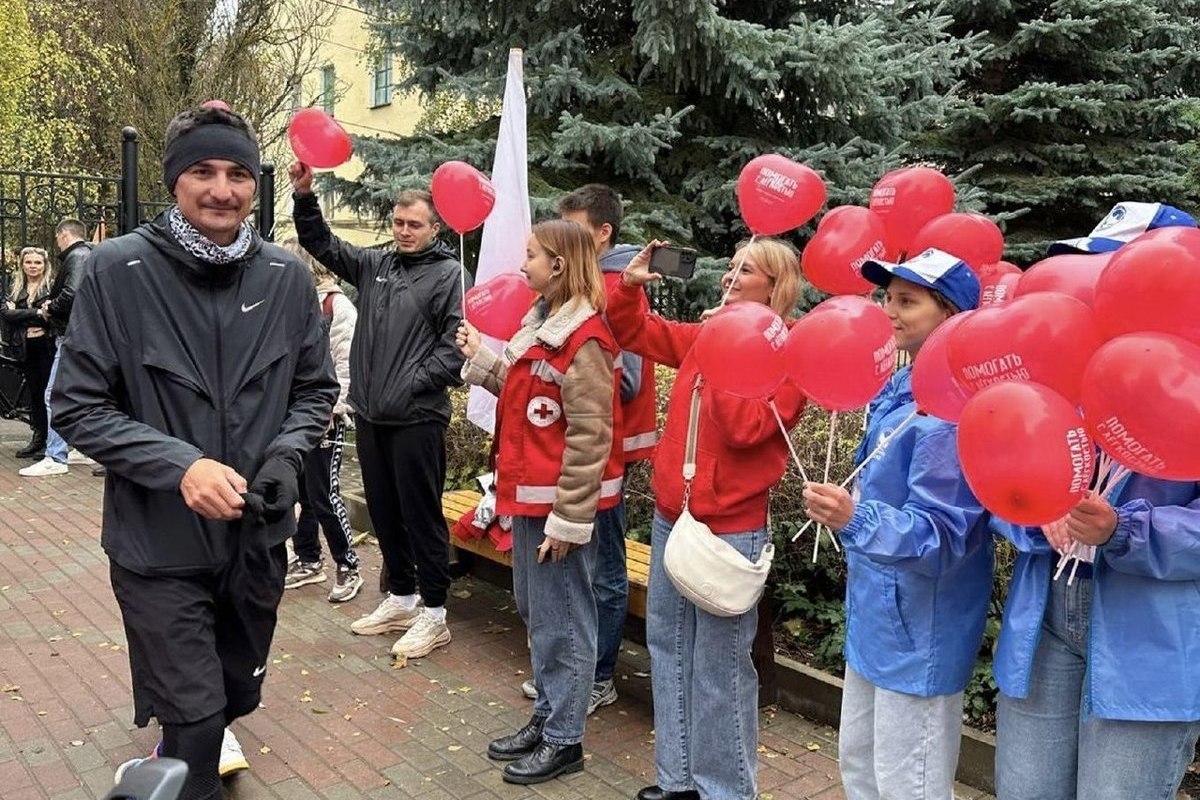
811, 746
303, 672
464, 689
320, 711
41, 713
264, 749
400, 663
641, 674
11, 687
461, 594
77, 743
347, 717
454, 748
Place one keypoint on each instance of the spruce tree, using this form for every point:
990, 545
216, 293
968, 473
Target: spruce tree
667, 100
1077, 105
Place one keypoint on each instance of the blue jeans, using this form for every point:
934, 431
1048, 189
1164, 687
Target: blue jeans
704, 682
56, 446
610, 584
555, 601
1047, 749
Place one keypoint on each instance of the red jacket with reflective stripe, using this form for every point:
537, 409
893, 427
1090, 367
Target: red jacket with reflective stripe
740, 453
639, 417
532, 426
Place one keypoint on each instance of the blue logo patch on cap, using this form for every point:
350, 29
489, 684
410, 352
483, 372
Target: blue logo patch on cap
934, 269
1124, 223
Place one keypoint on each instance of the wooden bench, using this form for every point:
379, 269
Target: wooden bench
637, 555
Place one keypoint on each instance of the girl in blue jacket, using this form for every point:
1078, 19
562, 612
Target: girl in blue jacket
919, 563
1100, 676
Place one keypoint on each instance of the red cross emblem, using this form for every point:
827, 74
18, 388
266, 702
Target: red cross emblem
543, 411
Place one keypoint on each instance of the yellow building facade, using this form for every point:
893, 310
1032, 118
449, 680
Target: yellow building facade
355, 85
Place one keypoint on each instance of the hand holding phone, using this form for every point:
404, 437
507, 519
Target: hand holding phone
674, 262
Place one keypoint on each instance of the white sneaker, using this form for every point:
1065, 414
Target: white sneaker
422, 638
76, 457
47, 466
390, 616
529, 689
232, 758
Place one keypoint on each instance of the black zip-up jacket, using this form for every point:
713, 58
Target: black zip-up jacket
168, 359
71, 265
403, 358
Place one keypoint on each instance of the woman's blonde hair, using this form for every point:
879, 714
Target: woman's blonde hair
21, 281
580, 276
779, 261
320, 274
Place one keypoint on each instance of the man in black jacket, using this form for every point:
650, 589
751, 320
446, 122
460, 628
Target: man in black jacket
73, 253
195, 367
402, 362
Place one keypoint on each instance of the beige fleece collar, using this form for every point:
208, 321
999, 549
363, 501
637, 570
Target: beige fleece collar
552, 331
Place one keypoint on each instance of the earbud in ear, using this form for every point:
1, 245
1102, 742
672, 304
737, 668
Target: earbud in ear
558, 265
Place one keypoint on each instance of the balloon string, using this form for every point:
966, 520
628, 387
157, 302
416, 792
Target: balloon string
462, 274
829, 447
737, 270
1114, 480
788, 439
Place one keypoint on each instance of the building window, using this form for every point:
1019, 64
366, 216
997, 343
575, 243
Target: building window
327, 86
381, 86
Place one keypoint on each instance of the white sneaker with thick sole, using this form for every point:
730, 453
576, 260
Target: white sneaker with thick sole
76, 457
44, 468
232, 758
346, 584
390, 616
422, 638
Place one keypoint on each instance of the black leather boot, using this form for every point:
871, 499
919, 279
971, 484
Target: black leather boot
546, 762
36, 448
657, 793
519, 744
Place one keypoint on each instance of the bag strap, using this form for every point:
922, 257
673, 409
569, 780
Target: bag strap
327, 307
689, 452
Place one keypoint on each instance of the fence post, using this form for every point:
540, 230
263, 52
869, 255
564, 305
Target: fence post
128, 216
266, 202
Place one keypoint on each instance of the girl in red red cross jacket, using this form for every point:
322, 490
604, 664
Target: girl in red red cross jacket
559, 389
705, 686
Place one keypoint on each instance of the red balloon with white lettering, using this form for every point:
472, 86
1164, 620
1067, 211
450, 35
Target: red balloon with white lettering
1153, 284
971, 237
1072, 274
847, 236
740, 350
462, 195
997, 283
933, 384
1045, 338
907, 199
497, 307
776, 194
842, 352
1141, 400
1025, 452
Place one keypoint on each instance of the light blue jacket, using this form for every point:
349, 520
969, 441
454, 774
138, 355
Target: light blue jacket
1144, 640
919, 554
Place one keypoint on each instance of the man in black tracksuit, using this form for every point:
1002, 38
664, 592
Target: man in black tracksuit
195, 368
402, 362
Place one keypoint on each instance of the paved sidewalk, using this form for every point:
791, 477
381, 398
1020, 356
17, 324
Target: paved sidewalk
338, 720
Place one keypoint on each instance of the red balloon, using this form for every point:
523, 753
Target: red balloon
1141, 400
907, 199
847, 236
498, 306
462, 195
1185, 236
933, 384
1153, 285
775, 194
221, 104
740, 350
1044, 338
1025, 452
1073, 274
999, 290
317, 140
971, 237
842, 352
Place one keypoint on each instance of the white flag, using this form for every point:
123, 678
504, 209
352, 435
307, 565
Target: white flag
506, 231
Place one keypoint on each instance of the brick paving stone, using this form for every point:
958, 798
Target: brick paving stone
338, 721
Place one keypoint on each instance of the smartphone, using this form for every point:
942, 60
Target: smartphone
674, 262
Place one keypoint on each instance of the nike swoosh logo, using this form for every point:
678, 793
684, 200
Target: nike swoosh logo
259, 670
246, 308
380, 280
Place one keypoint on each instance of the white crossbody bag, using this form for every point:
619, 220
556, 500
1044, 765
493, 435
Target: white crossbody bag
704, 568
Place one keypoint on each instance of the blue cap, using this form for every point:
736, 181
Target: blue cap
1124, 223
935, 270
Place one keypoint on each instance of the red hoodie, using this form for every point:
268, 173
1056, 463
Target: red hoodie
740, 452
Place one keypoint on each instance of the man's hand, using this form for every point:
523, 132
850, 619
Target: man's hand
213, 490
557, 549
467, 339
1058, 535
301, 176
1093, 521
828, 504
638, 273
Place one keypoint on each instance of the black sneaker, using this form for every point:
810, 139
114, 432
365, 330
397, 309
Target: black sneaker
302, 573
